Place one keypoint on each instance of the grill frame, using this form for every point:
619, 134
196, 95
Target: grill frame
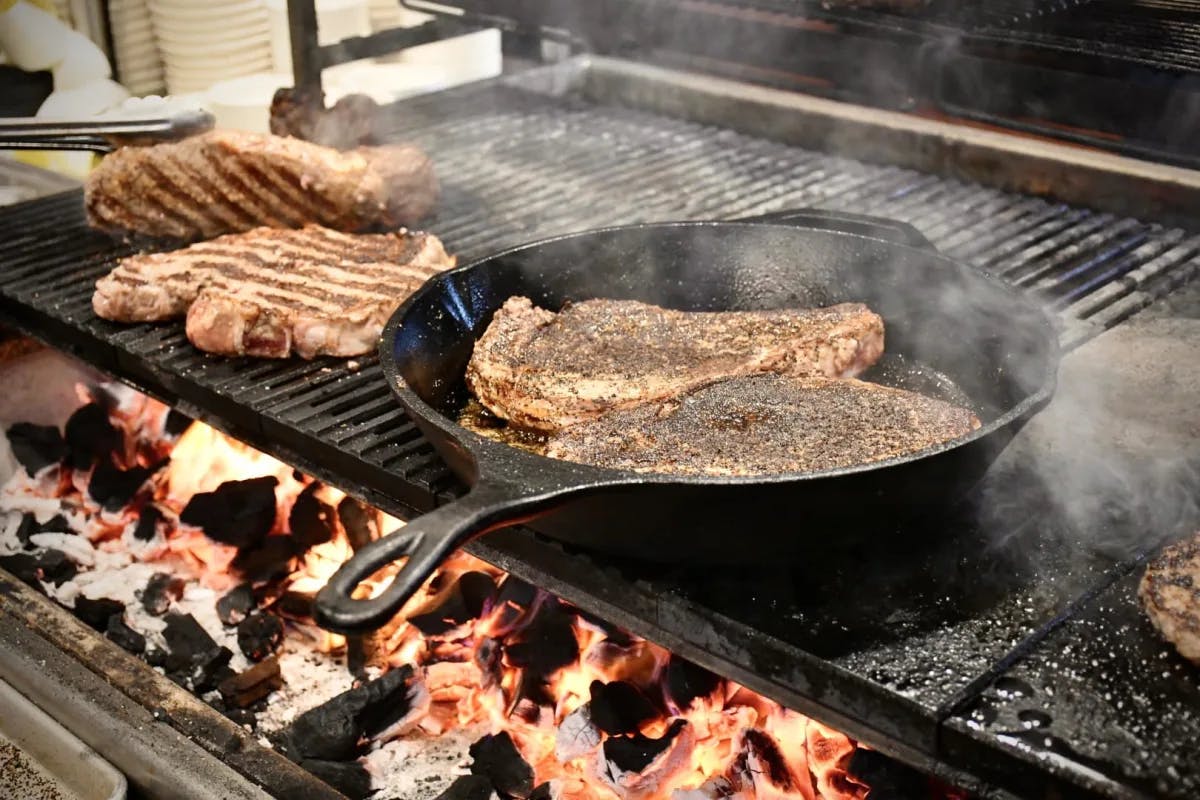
652, 159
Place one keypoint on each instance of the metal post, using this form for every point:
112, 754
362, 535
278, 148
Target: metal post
306, 53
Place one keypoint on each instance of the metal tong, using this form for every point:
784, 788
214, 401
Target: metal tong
101, 135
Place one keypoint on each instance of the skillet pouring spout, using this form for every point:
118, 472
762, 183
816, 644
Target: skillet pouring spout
425, 542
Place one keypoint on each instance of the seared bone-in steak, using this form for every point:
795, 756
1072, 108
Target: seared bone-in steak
765, 425
1170, 593
270, 291
545, 371
229, 181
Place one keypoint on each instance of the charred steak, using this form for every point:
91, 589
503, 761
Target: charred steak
1170, 593
268, 292
544, 371
765, 425
229, 181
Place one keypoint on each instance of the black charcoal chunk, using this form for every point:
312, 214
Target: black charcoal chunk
333, 731
51, 566
56, 524
193, 656
90, 435
497, 759
619, 707
113, 487
348, 777
25, 528
463, 601
124, 636
236, 604
514, 599
542, 792
357, 521
147, 524
156, 657
96, 613
635, 753
176, 423
238, 513
547, 645
259, 635
469, 787
265, 561
36, 446
161, 590
311, 520
685, 682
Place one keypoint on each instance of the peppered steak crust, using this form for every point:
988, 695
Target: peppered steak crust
545, 371
228, 181
269, 292
1170, 594
765, 425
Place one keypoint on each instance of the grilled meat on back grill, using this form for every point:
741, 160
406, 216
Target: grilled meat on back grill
228, 181
268, 292
1170, 593
544, 371
765, 425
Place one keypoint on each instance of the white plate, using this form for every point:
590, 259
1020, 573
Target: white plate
187, 10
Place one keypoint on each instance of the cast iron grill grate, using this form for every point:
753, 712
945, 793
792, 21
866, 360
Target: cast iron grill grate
517, 164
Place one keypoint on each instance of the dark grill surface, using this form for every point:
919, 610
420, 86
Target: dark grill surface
887, 648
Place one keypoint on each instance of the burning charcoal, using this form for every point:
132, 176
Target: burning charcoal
96, 613
544, 791
236, 604
356, 520
124, 636
576, 736
36, 446
113, 487
349, 778
332, 731
90, 434
161, 590
51, 566
464, 600
176, 423
147, 524
684, 682
611, 632
294, 605
311, 520
767, 765
713, 789
239, 513
635, 753
259, 635
469, 787
513, 601
547, 645
619, 707
268, 560
252, 685
192, 652
496, 758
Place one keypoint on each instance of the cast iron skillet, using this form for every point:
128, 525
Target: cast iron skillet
950, 331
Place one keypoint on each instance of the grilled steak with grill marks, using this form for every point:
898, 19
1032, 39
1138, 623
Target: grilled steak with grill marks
1170, 593
765, 425
228, 181
269, 292
544, 371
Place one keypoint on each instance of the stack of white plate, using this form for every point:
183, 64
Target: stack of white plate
139, 65
387, 14
204, 43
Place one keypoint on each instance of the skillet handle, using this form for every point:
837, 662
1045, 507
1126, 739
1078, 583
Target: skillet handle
890, 230
426, 541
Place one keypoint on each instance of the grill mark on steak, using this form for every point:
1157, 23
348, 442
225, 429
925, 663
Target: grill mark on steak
266, 292
765, 425
544, 371
225, 181
1170, 595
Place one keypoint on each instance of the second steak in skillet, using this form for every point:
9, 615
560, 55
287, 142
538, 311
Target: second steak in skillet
544, 371
765, 425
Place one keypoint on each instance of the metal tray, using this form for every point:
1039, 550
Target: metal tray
40, 758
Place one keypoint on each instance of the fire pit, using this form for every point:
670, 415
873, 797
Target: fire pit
201, 556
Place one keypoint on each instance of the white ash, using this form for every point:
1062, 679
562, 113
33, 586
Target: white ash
310, 678
420, 767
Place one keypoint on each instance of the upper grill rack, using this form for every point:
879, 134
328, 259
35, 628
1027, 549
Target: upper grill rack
517, 164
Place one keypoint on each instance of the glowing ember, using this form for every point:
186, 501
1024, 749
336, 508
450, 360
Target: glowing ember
594, 712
